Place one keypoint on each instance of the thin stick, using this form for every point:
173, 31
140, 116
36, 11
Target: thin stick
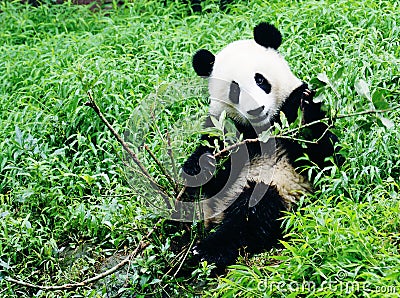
162, 168
178, 257
234, 146
160, 189
88, 281
368, 112
178, 197
171, 155
184, 258
285, 135
343, 116
96, 108
298, 140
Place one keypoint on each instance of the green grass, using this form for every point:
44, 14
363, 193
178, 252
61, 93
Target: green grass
67, 207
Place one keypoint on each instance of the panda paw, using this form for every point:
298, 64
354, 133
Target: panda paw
307, 96
220, 256
198, 171
311, 110
207, 164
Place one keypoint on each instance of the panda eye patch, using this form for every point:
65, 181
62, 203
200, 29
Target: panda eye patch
263, 83
234, 92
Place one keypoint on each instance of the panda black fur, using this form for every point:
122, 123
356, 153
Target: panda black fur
244, 200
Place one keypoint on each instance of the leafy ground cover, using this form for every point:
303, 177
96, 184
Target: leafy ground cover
68, 210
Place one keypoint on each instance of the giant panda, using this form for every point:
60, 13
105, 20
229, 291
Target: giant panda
244, 195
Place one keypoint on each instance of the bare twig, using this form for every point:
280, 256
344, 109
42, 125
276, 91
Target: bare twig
297, 139
234, 146
184, 258
93, 279
290, 134
91, 103
294, 130
162, 168
171, 156
159, 188
178, 197
178, 257
368, 112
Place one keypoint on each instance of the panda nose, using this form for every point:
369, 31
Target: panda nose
256, 112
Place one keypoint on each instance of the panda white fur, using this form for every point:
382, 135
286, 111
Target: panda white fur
243, 200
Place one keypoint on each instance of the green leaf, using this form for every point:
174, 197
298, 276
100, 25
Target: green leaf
215, 122
162, 89
315, 83
89, 179
222, 120
362, 88
4, 264
338, 74
108, 223
323, 77
389, 124
265, 136
379, 100
18, 135
283, 119
297, 122
319, 98
216, 144
28, 224
222, 117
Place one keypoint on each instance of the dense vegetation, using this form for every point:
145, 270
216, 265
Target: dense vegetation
69, 211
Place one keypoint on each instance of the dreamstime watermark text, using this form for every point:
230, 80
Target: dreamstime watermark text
336, 285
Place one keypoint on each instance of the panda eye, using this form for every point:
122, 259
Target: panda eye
234, 92
262, 83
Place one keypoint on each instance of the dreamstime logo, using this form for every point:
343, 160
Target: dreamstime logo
341, 275
159, 131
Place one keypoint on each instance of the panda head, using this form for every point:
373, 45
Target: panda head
248, 79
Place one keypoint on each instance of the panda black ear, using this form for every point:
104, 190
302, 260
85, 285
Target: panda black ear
267, 36
203, 62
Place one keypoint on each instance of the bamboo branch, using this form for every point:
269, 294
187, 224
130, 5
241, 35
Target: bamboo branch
234, 146
289, 134
171, 156
91, 103
247, 141
368, 112
184, 258
159, 188
178, 257
162, 168
343, 116
93, 279
173, 182
96, 108
181, 192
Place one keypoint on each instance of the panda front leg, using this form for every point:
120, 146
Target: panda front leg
255, 227
221, 247
326, 140
200, 174
198, 170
